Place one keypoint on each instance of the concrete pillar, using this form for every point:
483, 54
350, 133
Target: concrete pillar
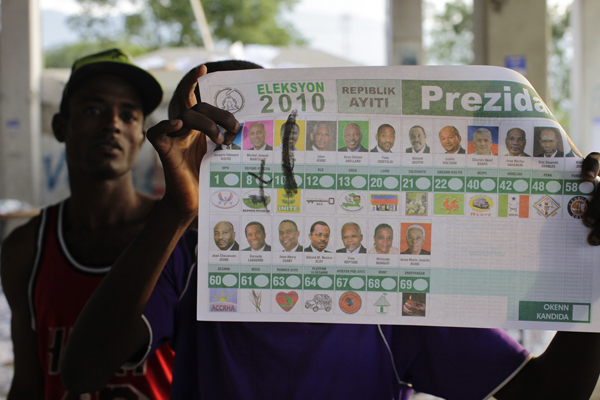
20, 104
513, 32
585, 80
405, 37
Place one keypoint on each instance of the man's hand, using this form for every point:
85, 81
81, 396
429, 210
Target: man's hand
187, 106
181, 141
591, 168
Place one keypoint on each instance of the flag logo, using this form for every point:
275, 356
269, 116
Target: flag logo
513, 206
384, 202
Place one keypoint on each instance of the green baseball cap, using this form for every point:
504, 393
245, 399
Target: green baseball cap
114, 62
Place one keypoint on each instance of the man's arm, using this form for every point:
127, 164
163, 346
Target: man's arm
568, 369
110, 330
591, 219
16, 265
570, 366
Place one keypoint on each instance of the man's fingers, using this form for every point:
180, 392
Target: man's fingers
229, 138
207, 119
199, 116
186, 95
163, 128
591, 166
594, 236
222, 117
186, 88
199, 122
592, 214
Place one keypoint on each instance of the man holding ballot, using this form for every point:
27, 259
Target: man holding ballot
254, 360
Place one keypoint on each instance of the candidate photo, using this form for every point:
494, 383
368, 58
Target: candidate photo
415, 240
385, 138
319, 238
320, 135
418, 140
256, 237
352, 238
451, 141
482, 140
352, 136
258, 135
224, 236
383, 240
289, 235
295, 134
235, 145
516, 140
548, 142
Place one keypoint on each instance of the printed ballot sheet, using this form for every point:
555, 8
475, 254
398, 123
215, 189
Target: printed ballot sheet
442, 196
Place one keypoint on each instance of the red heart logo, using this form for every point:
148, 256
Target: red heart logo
286, 301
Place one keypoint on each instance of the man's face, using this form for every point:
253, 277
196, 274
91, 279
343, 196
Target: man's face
257, 135
352, 137
255, 236
417, 138
385, 138
450, 140
351, 237
321, 137
482, 142
224, 235
415, 240
103, 132
515, 142
549, 142
294, 135
383, 241
319, 238
288, 235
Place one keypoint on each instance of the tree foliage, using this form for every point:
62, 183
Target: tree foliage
451, 36
559, 64
450, 41
64, 56
161, 23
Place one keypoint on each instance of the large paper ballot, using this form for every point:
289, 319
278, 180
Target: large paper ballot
442, 196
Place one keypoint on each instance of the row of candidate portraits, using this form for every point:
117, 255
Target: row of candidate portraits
481, 140
416, 238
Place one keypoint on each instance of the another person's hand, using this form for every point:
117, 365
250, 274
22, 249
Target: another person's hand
590, 170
